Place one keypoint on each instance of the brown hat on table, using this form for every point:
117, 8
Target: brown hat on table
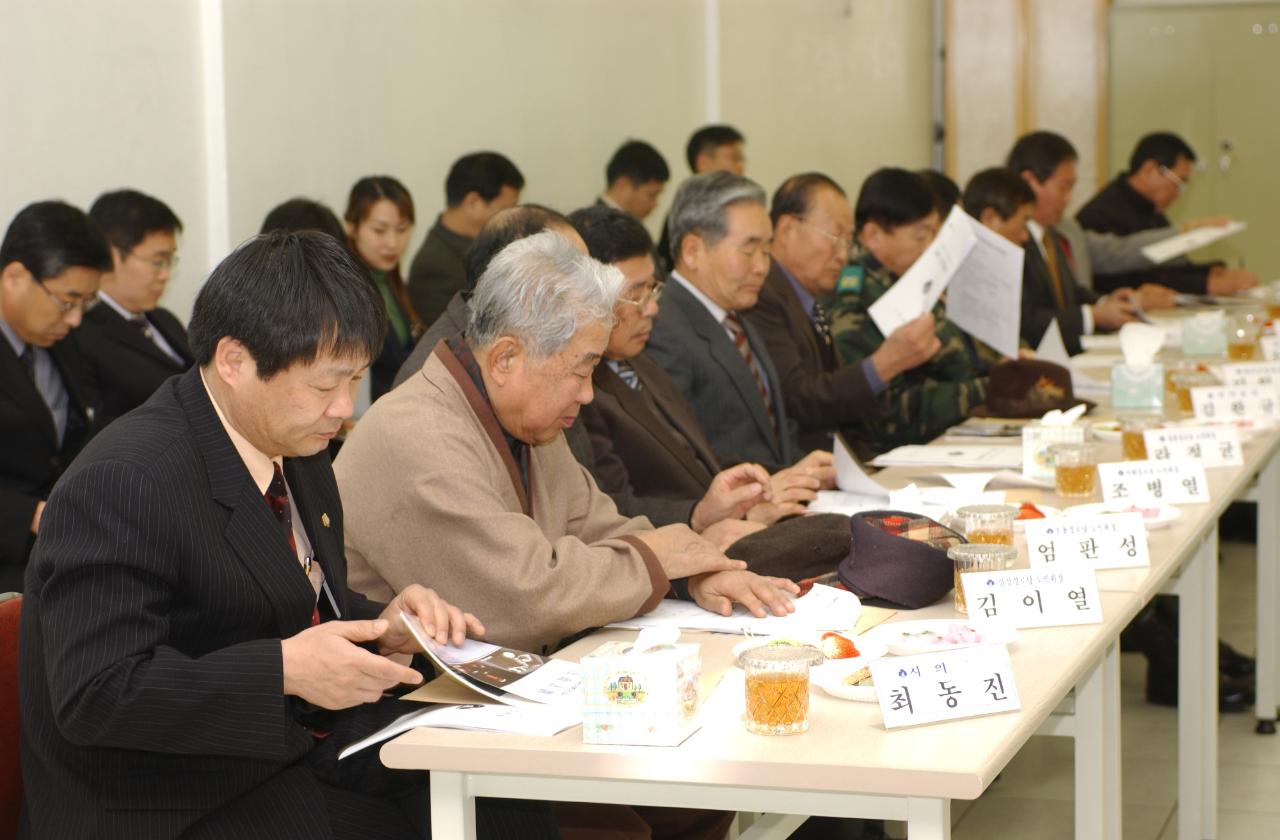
1028, 388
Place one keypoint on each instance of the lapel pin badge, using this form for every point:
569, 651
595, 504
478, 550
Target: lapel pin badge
324, 519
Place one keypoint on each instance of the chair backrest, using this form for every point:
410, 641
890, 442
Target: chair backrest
10, 767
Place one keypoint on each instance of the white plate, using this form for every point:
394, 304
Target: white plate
1049, 512
903, 637
1165, 514
1108, 430
830, 678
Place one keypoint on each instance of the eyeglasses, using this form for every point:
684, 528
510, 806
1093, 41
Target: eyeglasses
160, 263
64, 305
651, 293
844, 242
1178, 183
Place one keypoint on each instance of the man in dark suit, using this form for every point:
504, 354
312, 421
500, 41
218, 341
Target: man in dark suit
130, 344
191, 657
50, 262
1159, 170
720, 235
1050, 288
812, 235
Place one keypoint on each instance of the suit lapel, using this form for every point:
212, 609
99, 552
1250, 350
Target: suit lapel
117, 329
24, 391
641, 410
317, 514
171, 329
775, 393
252, 531
674, 408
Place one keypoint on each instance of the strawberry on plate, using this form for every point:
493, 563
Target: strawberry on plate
835, 646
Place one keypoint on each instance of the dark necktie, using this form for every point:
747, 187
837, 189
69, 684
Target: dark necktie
628, 375
144, 326
820, 323
1055, 274
28, 359
277, 497
744, 348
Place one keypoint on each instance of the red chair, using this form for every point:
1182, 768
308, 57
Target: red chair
10, 768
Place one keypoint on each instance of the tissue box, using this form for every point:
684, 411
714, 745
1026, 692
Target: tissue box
1137, 388
648, 698
1036, 440
1204, 336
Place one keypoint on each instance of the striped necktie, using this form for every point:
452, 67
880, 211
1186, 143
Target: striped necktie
820, 322
628, 375
740, 341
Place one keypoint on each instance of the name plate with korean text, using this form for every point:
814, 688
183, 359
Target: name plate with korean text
1033, 597
1212, 446
1270, 347
1225, 402
1243, 374
1111, 541
948, 685
1172, 482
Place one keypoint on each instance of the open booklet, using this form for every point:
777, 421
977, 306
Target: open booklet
542, 721
514, 677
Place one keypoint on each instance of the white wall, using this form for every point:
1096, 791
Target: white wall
99, 94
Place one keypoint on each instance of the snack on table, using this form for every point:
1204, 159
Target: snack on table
862, 676
835, 646
1029, 511
957, 633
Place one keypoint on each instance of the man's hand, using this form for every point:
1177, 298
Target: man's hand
726, 532
909, 346
1228, 281
1154, 296
718, 592
683, 553
1115, 309
731, 495
324, 666
441, 620
1207, 221
791, 489
35, 518
821, 465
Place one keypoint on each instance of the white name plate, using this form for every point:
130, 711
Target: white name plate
1213, 446
1033, 598
1171, 482
948, 685
1238, 374
1111, 541
1226, 402
1270, 347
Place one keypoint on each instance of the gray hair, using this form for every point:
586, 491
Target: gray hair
701, 203
541, 290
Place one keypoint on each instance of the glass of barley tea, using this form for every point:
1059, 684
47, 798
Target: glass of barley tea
777, 679
1132, 441
989, 524
1075, 469
980, 557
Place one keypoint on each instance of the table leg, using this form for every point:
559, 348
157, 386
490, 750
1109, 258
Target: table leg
1097, 750
1197, 591
1112, 813
928, 819
1268, 594
453, 807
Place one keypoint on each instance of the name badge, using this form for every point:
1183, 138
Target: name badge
1111, 541
1213, 446
1241, 374
948, 685
1170, 482
1226, 402
1036, 598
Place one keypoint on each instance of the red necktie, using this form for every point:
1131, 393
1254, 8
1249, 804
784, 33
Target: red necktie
277, 497
744, 347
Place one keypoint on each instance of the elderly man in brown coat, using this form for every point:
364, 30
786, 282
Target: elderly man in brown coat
462, 476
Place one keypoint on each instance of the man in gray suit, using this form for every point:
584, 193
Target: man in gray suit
720, 233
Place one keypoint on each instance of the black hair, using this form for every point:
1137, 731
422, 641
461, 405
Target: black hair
638, 162
299, 214
611, 234
289, 297
999, 189
946, 192
126, 217
48, 237
891, 197
795, 195
503, 229
1040, 153
483, 173
1163, 147
708, 139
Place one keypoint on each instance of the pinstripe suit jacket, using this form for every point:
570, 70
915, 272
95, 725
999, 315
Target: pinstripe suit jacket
150, 664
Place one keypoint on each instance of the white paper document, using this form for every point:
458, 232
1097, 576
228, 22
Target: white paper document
522, 720
915, 292
984, 298
850, 477
962, 457
821, 608
1176, 246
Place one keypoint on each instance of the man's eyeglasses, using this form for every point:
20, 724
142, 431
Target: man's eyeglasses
160, 263
1178, 183
844, 242
649, 293
65, 305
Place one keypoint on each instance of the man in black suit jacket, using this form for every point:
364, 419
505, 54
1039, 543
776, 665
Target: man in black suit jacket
50, 262
188, 637
1159, 169
1050, 289
131, 345
812, 235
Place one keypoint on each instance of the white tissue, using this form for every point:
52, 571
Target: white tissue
1054, 417
1140, 343
651, 638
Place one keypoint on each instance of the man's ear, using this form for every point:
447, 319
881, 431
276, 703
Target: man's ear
15, 275
232, 362
990, 217
504, 360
